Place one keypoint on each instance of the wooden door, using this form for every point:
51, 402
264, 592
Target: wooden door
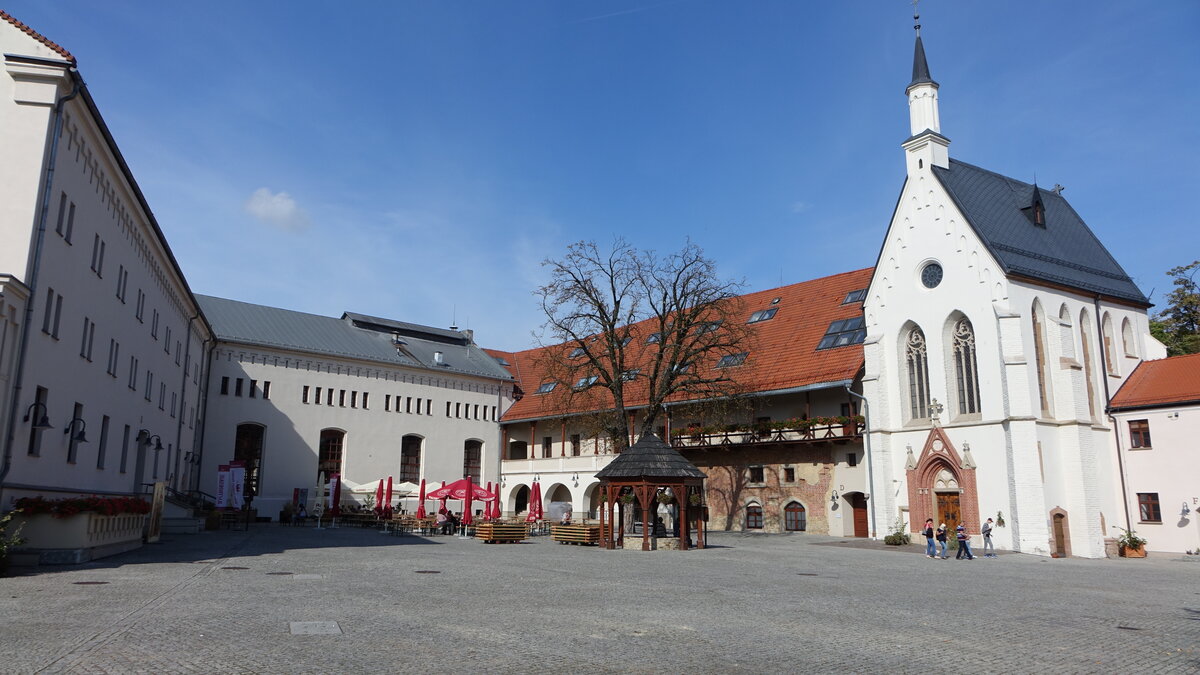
859, 505
1060, 536
948, 512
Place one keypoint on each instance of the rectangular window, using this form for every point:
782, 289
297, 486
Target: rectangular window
70, 223
428, 406
341, 397
789, 475
149, 385
266, 389
494, 413
103, 442
253, 389
173, 401
167, 340
365, 404
73, 430
546, 388
458, 410
757, 475
178, 352
1139, 434
476, 409
89, 336
354, 399
387, 402
154, 324
1148, 507
317, 398
58, 300
139, 310
114, 354
329, 396
133, 370
855, 296
546, 442
162, 395
763, 315
122, 283
304, 394
408, 404
844, 332
730, 360
124, 448
98, 247
575, 443
224, 386
48, 314
852, 458
707, 327
62, 214
237, 386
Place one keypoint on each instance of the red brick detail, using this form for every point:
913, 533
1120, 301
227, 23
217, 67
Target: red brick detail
922, 501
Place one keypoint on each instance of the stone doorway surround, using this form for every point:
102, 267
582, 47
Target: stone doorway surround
941, 468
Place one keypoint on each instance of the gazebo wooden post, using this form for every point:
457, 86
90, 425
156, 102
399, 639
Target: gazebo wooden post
683, 521
645, 501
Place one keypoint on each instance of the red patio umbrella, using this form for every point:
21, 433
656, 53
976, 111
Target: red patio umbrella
387, 508
487, 505
467, 519
421, 501
496, 512
442, 506
379, 498
535, 499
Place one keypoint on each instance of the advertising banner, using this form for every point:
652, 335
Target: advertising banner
237, 483
223, 486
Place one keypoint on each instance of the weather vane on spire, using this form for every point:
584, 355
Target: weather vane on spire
916, 18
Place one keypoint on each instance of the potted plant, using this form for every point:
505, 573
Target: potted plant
666, 498
1132, 546
897, 537
8, 540
694, 499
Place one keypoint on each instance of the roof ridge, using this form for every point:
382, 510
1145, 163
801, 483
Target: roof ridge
278, 309
24, 28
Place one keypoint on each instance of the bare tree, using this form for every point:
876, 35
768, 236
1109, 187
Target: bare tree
630, 330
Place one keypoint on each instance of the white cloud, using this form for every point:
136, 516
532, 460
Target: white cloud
278, 210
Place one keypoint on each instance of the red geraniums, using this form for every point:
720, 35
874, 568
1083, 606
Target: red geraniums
69, 506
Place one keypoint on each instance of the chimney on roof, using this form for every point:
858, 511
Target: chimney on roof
470, 335
438, 359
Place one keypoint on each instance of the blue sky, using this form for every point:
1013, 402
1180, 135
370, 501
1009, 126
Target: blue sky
417, 160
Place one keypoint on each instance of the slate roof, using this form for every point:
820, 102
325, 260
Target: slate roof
920, 65
246, 323
58, 49
650, 457
783, 351
1162, 382
1064, 252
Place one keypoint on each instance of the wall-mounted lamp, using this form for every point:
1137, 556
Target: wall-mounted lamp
834, 497
1186, 510
145, 437
42, 422
537, 477
79, 437
576, 479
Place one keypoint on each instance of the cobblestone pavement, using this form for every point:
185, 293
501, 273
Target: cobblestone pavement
225, 602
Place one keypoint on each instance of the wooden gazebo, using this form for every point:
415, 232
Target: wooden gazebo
649, 473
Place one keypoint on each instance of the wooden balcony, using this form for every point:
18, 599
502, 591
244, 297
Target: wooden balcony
806, 433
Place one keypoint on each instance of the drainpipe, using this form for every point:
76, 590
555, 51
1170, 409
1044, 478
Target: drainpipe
1108, 410
187, 350
202, 407
35, 267
867, 451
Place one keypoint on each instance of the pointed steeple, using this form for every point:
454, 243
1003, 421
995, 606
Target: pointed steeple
927, 147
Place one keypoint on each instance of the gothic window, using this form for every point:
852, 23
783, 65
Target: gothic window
329, 451
916, 359
1039, 350
966, 372
1110, 363
1085, 339
410, 459
1127, 339
754, 517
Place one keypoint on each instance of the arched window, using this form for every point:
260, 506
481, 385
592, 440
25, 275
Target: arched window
329, 452
754, 517
472, 459
966, 373
410, 459
1110, 361
794, 518
1039, 351
1127, 340
1085, 340
916, 359
248, 447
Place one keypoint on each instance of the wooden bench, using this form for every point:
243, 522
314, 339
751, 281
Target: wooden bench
493, 533
584, 535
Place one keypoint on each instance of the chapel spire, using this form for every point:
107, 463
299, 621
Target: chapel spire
926, 146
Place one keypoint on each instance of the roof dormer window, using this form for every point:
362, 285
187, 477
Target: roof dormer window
763, 315
546, 388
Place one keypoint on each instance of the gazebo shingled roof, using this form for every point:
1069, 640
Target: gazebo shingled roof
650, 457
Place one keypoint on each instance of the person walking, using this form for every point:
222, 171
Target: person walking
986, 530
941, 539
964, 544
930, 548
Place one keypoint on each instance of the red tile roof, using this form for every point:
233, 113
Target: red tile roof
37, 36
1161, 382
783, 350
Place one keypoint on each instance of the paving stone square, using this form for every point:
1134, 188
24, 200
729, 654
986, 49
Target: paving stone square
224, 602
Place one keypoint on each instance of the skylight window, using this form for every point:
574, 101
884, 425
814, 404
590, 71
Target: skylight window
730, 360
630, 374
855, 296
653, 338
577, 352
546, 388
707, 327
844, 332
763, 315
502, 361
681, 367
586, 381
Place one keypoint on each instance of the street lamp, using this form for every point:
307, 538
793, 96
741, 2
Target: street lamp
79, 437
42, 422
145, 437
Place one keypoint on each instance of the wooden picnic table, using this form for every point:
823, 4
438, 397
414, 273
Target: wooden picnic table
588, 535
492, 533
